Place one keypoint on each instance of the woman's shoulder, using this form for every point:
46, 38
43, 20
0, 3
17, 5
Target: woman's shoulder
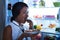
8, 28
7, 33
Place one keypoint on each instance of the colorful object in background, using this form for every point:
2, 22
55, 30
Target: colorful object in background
56, 4
52, 25
49, 17
39, 27
38, 36
35, 26
34, 4
37, 16
41, 3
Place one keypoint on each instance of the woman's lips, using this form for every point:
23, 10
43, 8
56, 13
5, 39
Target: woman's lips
25, 18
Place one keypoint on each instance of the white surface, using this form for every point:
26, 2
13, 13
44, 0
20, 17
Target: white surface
50, 30
33, 32
43, 11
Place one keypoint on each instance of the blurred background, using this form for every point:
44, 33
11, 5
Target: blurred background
43, 12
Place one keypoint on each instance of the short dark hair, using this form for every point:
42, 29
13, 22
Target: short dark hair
16, 9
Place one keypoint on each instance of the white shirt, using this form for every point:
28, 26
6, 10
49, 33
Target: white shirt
16, 30
26, 26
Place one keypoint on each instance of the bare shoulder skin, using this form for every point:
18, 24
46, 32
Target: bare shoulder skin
7, 33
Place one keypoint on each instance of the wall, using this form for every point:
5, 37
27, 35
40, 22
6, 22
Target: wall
2, 17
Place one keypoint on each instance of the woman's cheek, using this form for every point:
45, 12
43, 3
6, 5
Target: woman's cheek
23, 17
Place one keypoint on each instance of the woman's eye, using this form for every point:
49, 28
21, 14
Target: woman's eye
26, 12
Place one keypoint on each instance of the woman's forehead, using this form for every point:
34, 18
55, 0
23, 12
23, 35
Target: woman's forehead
24, 9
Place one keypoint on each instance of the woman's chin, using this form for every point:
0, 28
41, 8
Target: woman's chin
24, 21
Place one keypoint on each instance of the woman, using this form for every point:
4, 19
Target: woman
14, 31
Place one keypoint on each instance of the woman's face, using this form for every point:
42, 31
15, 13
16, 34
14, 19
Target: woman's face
23, 15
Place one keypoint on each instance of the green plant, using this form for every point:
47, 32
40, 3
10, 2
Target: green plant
56, 4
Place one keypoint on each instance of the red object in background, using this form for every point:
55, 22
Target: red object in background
38, 37
36, 16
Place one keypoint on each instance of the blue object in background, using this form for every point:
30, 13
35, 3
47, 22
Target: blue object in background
8, 17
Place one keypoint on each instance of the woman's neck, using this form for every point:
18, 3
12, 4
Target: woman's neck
18, 22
